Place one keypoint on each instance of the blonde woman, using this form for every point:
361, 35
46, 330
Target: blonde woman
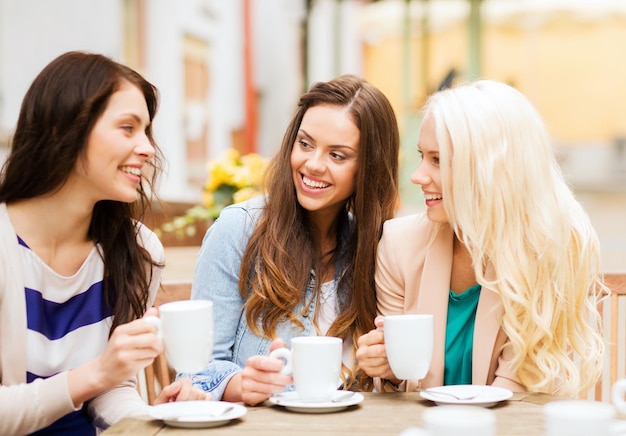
77, 270
504, 257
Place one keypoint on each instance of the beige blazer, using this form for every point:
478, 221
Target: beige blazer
413, 276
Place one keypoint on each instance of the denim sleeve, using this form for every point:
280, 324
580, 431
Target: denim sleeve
216, 278
214, 379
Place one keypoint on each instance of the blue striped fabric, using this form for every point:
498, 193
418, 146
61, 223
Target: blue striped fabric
68, 325
54, 320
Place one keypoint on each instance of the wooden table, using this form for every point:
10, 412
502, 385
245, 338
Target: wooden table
378, 414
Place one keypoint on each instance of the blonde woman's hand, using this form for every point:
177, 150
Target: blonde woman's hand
371, 355
182, 390
261, 377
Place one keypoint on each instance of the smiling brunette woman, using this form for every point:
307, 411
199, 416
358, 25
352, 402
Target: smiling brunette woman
77, 271
300, 261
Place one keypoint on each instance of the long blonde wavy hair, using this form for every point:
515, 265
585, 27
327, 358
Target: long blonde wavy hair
507, 200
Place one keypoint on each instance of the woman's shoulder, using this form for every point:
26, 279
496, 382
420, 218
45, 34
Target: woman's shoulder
235, 223
151, 242
250, 206
8, 237
240, 213
406, 225
405, 240
4, 215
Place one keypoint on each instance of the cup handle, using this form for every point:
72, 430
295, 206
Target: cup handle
285, 355
156, 321
618, 391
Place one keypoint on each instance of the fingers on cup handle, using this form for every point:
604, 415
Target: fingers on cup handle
283, 354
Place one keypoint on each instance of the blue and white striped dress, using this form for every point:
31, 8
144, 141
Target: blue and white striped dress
68, 324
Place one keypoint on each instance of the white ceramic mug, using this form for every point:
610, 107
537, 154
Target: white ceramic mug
455, 420
409, 344
618, 395
580, 418
186, 327
315, 362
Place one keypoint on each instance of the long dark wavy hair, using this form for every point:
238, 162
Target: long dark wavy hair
58, 113
283, 249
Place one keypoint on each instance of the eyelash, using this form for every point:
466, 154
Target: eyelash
435, 159
334, 155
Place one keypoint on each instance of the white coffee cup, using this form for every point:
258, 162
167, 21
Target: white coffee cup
186, 327
454, 420
618, 393
409, 344
580, 418
315, 362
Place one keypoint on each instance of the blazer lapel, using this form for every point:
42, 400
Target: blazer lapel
433, 298
487, 325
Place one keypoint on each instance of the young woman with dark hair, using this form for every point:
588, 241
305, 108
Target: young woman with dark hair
77, 268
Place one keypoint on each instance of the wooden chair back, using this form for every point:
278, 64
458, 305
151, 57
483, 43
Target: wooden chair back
159, 373
613, 311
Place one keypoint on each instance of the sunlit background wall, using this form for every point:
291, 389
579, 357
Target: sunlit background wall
230, 73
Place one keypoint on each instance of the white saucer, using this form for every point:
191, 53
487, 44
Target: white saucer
196, 414
485, 396
291, 402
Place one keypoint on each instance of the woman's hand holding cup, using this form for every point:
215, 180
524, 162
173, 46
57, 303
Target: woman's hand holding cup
263, 376
371, 354
400, 348
315, 362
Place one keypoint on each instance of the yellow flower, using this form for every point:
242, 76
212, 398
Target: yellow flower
235, 171
231, 155
231, 178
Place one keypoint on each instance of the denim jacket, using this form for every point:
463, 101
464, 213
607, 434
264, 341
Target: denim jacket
216, 278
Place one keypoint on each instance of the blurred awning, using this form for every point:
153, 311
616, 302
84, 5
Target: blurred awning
381, 17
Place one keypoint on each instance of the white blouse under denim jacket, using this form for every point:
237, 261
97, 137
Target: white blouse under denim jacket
216, 278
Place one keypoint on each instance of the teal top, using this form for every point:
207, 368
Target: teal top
460, 336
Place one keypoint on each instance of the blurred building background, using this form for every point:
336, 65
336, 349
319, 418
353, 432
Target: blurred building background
230, 73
